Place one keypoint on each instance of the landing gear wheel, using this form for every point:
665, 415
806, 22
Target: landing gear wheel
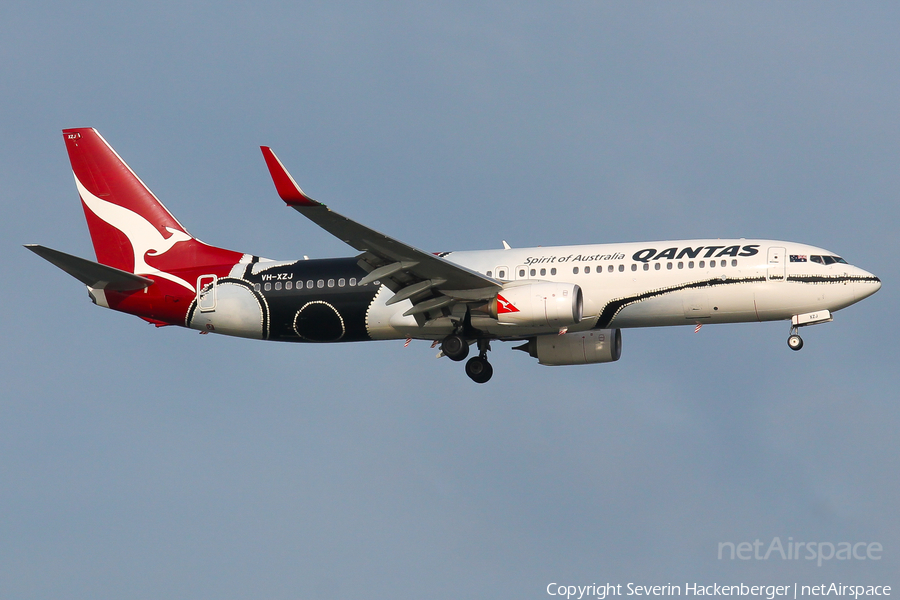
479, 369
795, 342
455, 347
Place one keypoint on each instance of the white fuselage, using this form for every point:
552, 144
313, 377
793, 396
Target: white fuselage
652, 284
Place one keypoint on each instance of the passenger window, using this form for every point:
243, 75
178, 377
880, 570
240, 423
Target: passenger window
256, 287
501, 274
634, 266
543, 272
621, 268
309, 284
610, 268
657, 267
587, 269
320, 283
733, 262
289, 285
690, 264
533, 272
553, 271
702, 264
489, 274
341, 282
680, 265
575, 270
521, 273
712, 264
669, 266
646, 267
352, 281
268, 286
277, 285
331, 283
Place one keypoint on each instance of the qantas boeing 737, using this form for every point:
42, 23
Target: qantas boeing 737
568, 304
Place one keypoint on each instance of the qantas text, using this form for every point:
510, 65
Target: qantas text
648, 254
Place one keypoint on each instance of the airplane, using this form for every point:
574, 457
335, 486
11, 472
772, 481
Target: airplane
566, 304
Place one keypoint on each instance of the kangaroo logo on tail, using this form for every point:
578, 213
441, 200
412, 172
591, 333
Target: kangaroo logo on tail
145, 239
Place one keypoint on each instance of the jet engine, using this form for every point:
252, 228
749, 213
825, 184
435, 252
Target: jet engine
543, 304
582, 348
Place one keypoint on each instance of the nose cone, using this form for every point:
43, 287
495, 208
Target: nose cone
866, 285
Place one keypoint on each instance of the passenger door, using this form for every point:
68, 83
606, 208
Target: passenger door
775, 270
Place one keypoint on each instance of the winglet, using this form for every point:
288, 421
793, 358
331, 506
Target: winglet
287, 188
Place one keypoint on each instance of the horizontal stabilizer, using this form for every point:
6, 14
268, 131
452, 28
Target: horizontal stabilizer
92, 274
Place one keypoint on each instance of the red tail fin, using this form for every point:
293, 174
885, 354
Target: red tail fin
130, 228
122, 214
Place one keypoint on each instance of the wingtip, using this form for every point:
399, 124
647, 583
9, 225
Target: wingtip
285, 185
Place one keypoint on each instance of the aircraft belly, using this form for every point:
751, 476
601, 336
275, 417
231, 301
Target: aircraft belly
781, 300
656, 312
732, 304
725, 302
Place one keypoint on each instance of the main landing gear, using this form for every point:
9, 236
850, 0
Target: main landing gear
478, 368
455, 347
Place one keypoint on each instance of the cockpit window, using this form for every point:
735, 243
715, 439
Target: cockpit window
827, 260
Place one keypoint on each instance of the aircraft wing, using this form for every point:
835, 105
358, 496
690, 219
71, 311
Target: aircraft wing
428, 281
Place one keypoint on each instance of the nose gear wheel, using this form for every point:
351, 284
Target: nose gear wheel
794, 341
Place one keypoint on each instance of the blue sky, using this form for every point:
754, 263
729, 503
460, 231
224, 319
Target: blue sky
148, 463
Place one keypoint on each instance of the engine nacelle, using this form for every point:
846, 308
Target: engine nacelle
541, 304
583, 348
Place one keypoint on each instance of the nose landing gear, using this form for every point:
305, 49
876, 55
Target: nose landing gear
795, 342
